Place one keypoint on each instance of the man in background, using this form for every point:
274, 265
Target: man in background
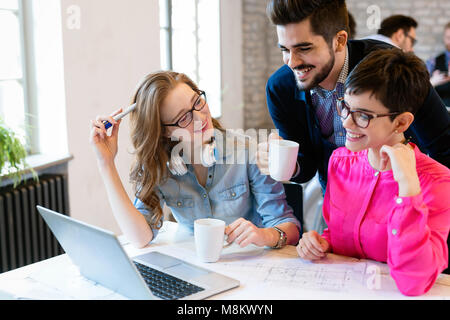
438, 68
398, 31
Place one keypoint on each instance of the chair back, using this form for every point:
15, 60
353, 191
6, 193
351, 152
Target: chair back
294, 198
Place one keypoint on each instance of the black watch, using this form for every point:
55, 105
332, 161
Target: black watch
282, 240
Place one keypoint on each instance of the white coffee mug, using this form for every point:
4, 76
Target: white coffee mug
209, 237
282, 159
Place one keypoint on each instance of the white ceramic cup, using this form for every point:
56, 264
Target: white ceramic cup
282, 159
209, 237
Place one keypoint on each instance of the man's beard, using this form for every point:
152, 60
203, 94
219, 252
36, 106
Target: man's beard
318, 78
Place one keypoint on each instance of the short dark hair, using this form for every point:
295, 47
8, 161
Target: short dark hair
327, 17
399, 80
392, 24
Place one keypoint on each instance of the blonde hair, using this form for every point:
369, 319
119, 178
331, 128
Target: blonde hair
152, 148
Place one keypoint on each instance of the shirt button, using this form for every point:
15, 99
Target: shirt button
204, 196
376, 173
394, 232
233, 194
399, 200
179, 204
341, 134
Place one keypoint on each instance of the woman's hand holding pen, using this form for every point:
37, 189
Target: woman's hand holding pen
312, 246
403, 163
105, 146
131, 221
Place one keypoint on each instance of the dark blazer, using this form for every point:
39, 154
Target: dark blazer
294, 116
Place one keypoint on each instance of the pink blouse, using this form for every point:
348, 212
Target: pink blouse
367, 219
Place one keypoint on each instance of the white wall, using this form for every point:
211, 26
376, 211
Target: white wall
231, 52
116, 45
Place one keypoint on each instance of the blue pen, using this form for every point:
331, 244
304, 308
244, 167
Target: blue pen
119, 116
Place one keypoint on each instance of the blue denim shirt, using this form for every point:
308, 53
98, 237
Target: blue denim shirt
231, 191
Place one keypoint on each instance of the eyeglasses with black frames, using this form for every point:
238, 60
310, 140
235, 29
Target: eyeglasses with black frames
187, 117
360, 118
413, 40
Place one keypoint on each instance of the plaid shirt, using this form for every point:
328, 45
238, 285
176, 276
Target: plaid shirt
324, 102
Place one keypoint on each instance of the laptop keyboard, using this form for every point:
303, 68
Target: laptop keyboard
166, 286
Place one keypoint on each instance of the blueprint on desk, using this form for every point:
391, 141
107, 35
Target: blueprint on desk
280, 267
281, 274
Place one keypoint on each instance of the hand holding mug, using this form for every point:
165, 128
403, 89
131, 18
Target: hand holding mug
282, 159
262, 154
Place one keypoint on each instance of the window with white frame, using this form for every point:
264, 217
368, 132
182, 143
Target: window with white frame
13, 80
190, 43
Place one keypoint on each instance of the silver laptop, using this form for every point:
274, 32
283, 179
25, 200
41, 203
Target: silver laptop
153, 275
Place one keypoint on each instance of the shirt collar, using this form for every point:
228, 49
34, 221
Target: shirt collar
341, 78
382, 38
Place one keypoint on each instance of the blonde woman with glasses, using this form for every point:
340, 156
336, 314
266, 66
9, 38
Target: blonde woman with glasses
169, 106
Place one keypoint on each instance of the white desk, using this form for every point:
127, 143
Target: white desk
263, 273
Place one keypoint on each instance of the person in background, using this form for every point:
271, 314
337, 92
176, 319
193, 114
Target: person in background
439, 69
398, 31
385, 199
169, 106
